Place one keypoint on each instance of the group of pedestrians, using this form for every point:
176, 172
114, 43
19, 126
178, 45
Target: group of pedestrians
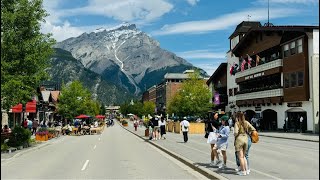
218, 134
157, 128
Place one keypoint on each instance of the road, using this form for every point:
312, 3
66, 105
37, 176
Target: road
270, 158
115, 154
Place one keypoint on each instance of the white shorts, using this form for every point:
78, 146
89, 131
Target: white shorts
222, 147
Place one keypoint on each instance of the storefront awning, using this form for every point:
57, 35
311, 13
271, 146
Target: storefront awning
17, 108
31, 106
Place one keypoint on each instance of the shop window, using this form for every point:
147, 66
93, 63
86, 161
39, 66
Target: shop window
293, 79
230, 92
286, 81
299, 45
300, 78
292, 47
286, 50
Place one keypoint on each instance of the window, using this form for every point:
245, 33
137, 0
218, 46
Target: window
299, 45
300, 78
293, 79
230, 92
235, 90
286, 50
286, 80
293, 47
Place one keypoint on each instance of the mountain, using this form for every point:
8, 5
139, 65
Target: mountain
65, 68
126, 56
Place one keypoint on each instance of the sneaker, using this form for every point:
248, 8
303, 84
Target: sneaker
242, 173
212, 163
217, 162
222, 166
248, 171
237, 169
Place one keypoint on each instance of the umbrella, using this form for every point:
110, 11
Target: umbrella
82, 116
100, 116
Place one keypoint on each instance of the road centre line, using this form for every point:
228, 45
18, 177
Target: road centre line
209, 154
85, 165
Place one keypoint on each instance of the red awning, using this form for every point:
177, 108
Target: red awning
17, 108
31, 106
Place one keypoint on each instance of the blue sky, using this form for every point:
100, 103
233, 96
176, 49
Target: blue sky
196, 30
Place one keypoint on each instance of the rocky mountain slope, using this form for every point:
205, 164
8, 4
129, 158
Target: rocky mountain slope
126, 56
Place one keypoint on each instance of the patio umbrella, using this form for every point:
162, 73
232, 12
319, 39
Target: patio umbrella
82, 116
100, 116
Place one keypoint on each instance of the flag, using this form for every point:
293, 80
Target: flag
257, 60
235, 69
249, 61
231, 69
243, 63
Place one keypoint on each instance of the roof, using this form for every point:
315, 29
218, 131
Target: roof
45, 95
55, 95
176, 76
274, 28
221, 69
244, 27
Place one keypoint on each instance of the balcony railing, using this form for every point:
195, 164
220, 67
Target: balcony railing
260, 68
260, 94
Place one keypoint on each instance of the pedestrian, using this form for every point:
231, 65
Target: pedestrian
212, 127
156, 129
29, 124
162, 124
135, 124
301, 124
25, 123
230, 123
35, 125
150, 125
285, 126
222, 142
185, 128
241, 130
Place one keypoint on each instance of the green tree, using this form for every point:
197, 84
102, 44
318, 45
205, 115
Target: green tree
25, 51
148, 108
75, 100
192, 99
103, 109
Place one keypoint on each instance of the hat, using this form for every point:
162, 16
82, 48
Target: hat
184, 117
225, 118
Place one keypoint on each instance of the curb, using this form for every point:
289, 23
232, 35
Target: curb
204, 171
310, 140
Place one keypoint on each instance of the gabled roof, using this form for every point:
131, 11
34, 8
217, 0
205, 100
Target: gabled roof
273, 29
244, 27
45, 95
220, 70
55, 95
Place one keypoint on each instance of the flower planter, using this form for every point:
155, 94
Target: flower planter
41, 137
125, 124
177, 127
146, 132
170, 126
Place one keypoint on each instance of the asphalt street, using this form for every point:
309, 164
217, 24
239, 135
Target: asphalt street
115, 154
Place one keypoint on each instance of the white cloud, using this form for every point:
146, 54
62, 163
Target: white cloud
225, 21
201, 54
125, 10
193, 2
209, 68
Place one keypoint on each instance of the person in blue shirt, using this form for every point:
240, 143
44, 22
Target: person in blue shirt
222, 142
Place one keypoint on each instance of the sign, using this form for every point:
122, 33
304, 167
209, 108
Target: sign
297, 104
257, 108
216, 98
254, 76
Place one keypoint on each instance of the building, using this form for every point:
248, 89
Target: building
278, 83
217, 84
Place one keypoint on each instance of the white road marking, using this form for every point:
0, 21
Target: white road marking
94, 146
99, 139
85, 165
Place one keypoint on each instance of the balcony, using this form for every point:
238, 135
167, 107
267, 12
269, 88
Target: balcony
260, 68
260, 94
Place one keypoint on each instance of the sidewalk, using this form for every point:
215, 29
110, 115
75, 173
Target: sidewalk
195, 153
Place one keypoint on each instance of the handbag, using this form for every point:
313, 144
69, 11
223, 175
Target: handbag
212, 138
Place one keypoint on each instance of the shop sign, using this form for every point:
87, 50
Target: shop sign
257, 108
254, 76
297, 104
